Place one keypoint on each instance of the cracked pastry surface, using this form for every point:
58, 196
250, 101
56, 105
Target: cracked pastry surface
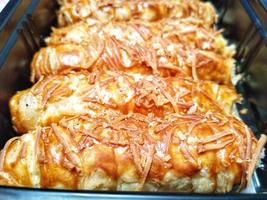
80, 93
113, 151
168, 48
198, 12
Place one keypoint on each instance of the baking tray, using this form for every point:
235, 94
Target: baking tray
23, 26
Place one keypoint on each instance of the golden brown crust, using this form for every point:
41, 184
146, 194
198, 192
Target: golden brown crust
122, 10
81, 151
128, 106
56, 96
168, 48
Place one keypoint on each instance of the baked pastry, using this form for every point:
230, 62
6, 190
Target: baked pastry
131, 106
167, 48
92, 93
198, 12
183, 153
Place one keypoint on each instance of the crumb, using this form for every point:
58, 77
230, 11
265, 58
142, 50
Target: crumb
244, 111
